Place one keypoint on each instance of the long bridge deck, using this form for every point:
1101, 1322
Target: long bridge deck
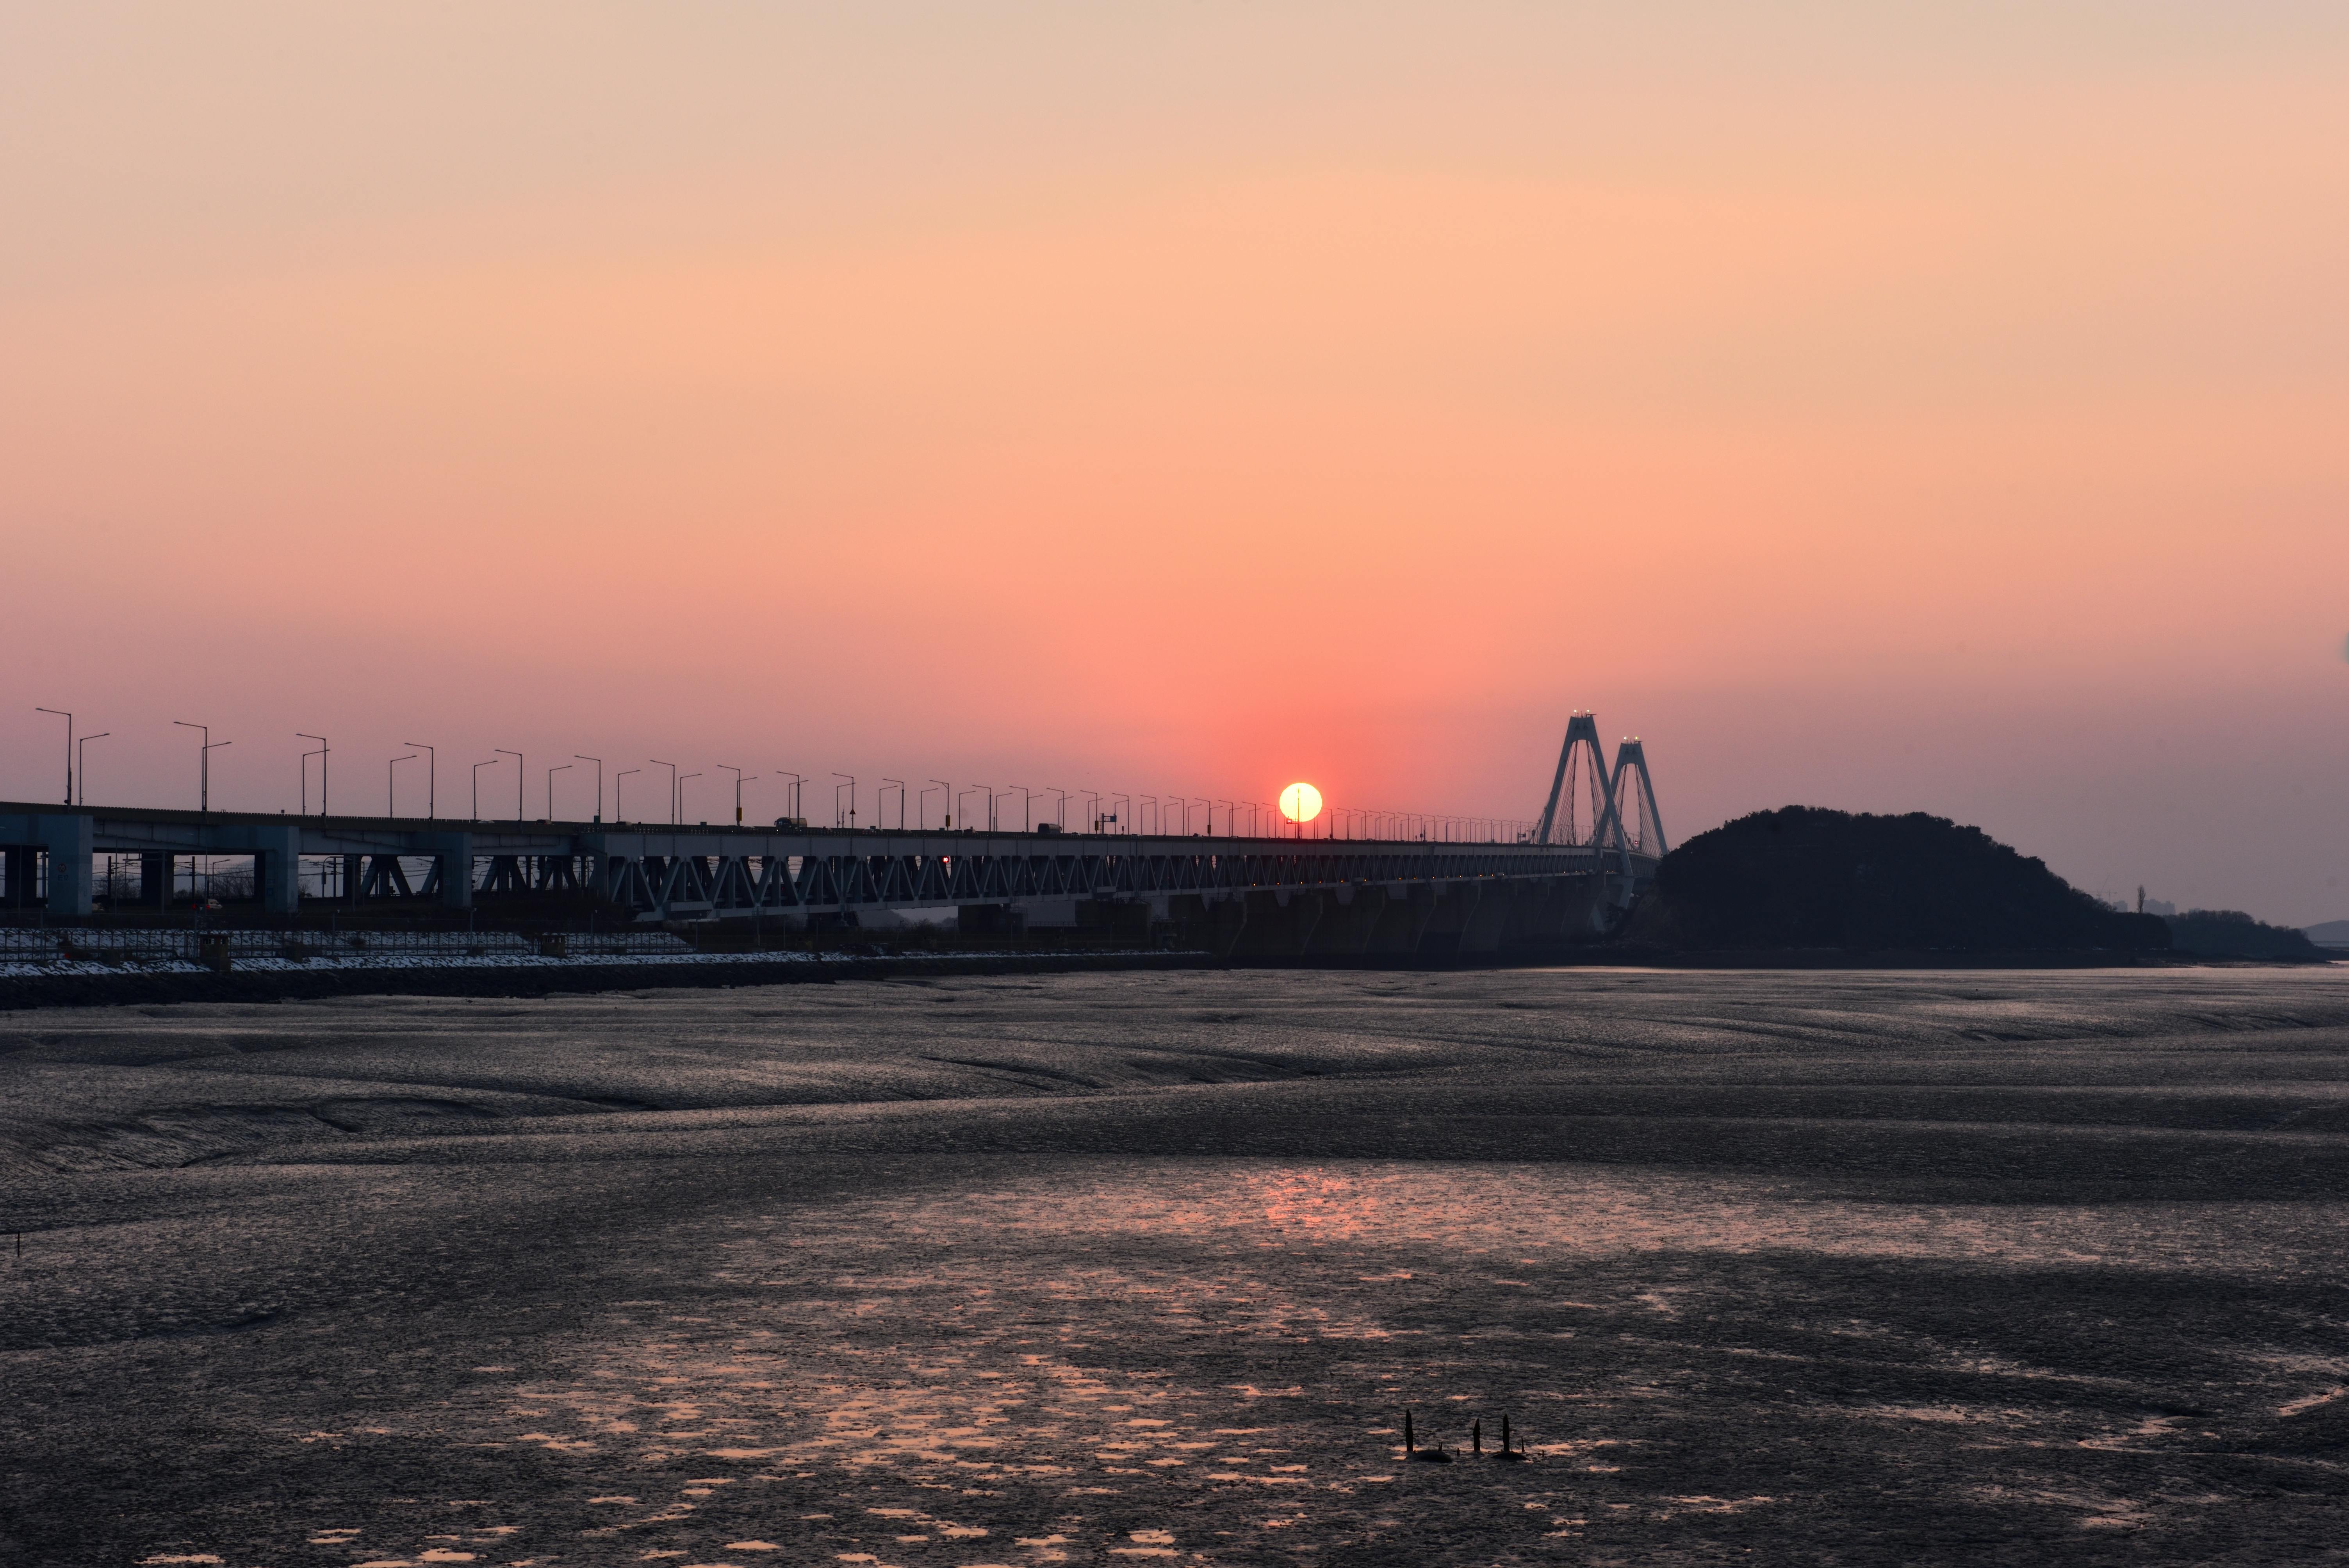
649, 872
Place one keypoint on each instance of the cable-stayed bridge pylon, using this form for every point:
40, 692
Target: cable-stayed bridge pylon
1610, 810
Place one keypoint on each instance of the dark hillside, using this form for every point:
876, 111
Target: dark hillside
1806, 877
2231, 933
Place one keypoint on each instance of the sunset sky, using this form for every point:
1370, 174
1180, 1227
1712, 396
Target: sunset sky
1889, 407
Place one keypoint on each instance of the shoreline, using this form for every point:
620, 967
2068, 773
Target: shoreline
98, 985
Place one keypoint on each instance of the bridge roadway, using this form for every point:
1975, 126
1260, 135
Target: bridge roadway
650, 873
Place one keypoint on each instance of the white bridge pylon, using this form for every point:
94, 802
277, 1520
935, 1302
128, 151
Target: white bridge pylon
1589, 802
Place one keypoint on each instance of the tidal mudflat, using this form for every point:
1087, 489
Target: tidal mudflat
1131, 1268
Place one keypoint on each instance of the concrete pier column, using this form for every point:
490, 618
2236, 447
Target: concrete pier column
155, 879
70, 841
18, 862
1486, 917
277, 869
354, 877
455, 853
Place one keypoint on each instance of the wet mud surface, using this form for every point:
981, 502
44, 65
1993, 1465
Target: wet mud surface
1145, 1268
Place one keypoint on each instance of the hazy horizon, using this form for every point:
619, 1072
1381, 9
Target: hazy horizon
1933, 410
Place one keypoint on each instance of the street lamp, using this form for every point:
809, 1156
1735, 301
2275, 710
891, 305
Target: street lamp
617, 814
924, 814
1126, 816
730, 768
321, 755
599, 780
522, 778
672, 787
1093, 813
881, 802
390, 784
61, 713
797, 779
431, 777
492, 762
1060, 810
682, 780
563, 768
82, 758
850, 788
973, 789
205, 762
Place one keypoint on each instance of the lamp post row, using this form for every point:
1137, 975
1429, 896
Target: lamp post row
1402, 824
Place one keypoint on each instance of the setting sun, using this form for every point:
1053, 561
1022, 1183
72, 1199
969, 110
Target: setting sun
1301, 802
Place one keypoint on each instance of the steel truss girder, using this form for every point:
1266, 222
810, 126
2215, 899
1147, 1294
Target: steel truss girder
653, 887
658, 873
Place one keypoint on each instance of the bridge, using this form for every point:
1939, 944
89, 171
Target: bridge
1598, 843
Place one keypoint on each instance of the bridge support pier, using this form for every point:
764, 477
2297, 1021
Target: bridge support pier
277, 869
20, 864
455, 853
1350, 919
1400, 921
1487, 916
71, 841
1446, 924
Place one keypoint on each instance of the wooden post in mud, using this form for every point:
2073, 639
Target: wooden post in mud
1412, 1451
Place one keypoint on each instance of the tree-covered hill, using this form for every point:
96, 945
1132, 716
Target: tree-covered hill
2231, 933
1803, 876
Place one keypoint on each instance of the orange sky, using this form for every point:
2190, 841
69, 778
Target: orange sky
1941, 409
